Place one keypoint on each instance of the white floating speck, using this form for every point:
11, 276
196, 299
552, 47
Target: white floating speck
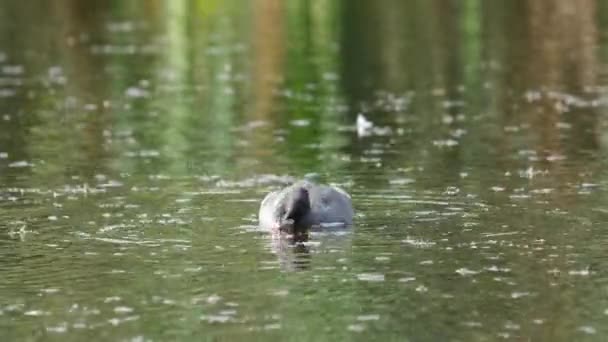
272, 326
20, 163
422, 288
213, 299
49, 290
555, 157
466, 272
418, 242
406, 279
472, 324
516, 295
280, 293
216, 318
300, 123
58, 328
583, 272
401, 181
136, 92
123, 309
111, 299
587, 329
512, 326
364, 126
371, 277
445, 143
356, 327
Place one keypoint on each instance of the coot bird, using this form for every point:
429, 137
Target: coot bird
305, 204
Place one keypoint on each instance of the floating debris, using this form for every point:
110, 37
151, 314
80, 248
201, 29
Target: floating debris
364, 126
466, 272
372, 277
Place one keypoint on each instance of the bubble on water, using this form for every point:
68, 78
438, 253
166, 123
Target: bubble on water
300, 122
112, 299
555, 157
445, 143
79, 325
7, 92
111, 184
216, 318
20, 164
143, 154
516, 295
213, 299
533, 95
193, 269
451, 191
370, 317
406, 279
123, 309
401, 181
136, 92
13, 70
118, 321
512, 326
90, 107
272, 326
420, 243
587, 329
122, 26
466, 272
35, 313
49, 290
542, 191
422, 288
583, 272
61, 328
280, 292
495, 268
472, 324
356, 327
372, 277
497, 188
426, 262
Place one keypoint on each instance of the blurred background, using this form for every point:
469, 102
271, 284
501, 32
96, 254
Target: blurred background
202, 83
138, 137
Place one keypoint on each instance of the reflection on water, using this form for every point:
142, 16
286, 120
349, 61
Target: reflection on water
138, 138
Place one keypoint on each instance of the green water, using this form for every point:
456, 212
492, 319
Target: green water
137, 139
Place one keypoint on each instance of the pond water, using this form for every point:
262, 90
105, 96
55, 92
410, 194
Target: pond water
138, 138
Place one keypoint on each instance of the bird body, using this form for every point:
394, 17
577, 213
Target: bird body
305, 204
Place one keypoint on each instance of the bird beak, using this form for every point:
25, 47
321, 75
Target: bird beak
286, 225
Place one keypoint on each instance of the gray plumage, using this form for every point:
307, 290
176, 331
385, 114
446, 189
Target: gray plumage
306, 204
